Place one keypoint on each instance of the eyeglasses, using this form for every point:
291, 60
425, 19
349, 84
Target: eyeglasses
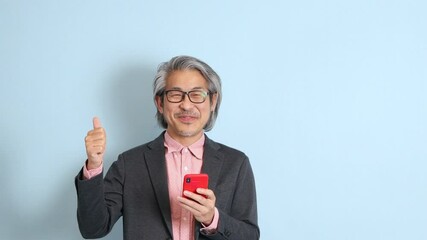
195, 96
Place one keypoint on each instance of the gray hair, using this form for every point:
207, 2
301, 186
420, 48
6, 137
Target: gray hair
187, 63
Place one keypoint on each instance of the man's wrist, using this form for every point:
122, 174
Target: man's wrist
211, 228
91, 165
89, 173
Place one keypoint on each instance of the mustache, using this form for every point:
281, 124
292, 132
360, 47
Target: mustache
186, 114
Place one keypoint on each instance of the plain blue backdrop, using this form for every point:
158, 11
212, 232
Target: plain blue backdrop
327, 98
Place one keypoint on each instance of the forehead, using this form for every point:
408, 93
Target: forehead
186, 79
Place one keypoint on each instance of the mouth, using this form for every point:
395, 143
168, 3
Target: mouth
186, 118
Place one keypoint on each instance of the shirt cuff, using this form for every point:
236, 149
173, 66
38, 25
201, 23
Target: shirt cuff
211, 229
88, 174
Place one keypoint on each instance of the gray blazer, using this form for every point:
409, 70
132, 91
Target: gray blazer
135, 187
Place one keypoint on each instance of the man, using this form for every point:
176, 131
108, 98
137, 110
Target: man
145, 184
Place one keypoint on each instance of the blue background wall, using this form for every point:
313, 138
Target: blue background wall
328, 99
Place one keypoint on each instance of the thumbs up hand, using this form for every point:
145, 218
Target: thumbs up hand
95, 144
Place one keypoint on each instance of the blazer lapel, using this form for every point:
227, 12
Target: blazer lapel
212, 162
156, 165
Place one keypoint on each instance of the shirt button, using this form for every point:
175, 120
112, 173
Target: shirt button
186, 169
184, 218
185, 150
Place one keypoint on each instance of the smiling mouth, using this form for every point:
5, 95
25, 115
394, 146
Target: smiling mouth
186, 118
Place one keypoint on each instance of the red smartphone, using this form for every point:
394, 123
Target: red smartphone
194, 181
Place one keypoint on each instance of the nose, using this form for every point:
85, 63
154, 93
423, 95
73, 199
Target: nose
186, 103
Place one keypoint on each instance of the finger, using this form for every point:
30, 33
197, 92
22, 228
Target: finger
190, 209
190, 205
201, 213
95, 143
197, 198
96, 133
206, 192
191, 195
96, 123
96, 150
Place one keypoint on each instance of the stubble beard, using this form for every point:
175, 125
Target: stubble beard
189, 133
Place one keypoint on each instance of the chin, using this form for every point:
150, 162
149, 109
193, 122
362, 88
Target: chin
189, 133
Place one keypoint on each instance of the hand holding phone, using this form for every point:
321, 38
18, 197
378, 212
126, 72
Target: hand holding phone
194, 181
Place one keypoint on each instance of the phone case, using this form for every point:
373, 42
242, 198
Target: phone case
194, 181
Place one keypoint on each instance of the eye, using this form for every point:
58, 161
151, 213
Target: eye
197, 95
175, 94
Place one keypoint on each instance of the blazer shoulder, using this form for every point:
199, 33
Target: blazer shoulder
156, 144
225, 150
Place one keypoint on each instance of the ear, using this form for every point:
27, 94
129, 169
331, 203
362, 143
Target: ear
159, 103
214, 101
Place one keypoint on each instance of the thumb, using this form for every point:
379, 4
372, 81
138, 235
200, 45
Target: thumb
96, 123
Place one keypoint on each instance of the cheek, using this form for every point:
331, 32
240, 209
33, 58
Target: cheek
169, 111
206, 111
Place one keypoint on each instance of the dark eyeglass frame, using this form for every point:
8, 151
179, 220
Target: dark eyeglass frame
188, 93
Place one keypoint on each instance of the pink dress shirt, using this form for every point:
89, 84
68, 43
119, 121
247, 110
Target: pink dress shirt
180, 160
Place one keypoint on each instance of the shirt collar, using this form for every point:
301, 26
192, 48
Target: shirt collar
196, 148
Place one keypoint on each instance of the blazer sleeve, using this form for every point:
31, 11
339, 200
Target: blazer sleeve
99, 201
241, 221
